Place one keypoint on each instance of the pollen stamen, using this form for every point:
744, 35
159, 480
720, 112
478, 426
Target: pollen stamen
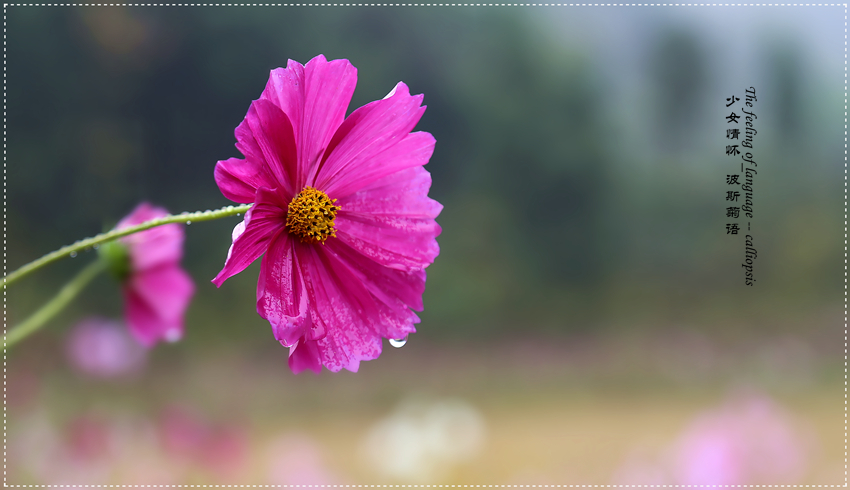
311, 215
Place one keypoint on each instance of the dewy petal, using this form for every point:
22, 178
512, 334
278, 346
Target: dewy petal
368, 132
393, 292
305, 355
281, 294
239, 179
315, 98
153, 247
345, 309
392, 221
390, 286
273, 135
263, 222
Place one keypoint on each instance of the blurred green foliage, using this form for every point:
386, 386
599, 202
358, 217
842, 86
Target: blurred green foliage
554, 220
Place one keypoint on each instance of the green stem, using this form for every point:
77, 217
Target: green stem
85, 243
55, 305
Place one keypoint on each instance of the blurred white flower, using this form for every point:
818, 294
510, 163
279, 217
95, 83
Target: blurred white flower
102, 348
422, 440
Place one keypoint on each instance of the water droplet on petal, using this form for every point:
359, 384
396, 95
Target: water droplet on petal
397, 343
73, 254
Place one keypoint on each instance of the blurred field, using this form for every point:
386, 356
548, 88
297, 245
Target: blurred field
556, 411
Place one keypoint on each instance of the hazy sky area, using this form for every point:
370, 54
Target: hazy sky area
737, 43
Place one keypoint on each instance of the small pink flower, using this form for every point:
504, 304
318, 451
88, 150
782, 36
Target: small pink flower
341, 212
156, 290
749, 440
102, 348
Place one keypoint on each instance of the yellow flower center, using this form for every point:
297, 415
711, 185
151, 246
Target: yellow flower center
311, 216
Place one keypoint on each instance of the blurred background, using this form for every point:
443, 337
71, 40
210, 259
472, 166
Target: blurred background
586, 321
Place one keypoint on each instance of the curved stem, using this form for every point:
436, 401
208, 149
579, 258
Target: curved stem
55, 305
85, 243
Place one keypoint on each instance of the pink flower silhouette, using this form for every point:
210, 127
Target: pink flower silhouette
102, 348
747, 441
156, 290
341, 212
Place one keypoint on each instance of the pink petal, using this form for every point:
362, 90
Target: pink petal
153, 247
315, 98
336, 348
143, 212
413, 151
281, 295
273, 134
305, 355
166, 290
393, 292
344, 308
363, 148
392, 221
263, 222
239, 179
390, 286
145, 324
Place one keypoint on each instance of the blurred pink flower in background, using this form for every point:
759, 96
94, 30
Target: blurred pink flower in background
82, 451
102, 348
89, 438
749, 440
93, 447
296, 459
341, 212
187, 436
156, 289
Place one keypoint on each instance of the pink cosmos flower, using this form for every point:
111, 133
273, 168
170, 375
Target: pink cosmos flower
341, 212
156, 290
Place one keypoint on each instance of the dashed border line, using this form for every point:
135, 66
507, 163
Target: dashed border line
845, 245
421, 5
6, 5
